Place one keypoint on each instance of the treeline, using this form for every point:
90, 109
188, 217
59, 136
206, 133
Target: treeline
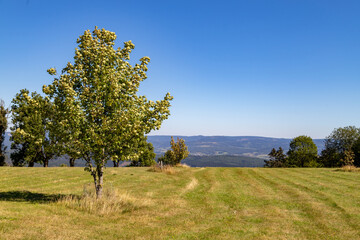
34, 139
28, 151
342, 148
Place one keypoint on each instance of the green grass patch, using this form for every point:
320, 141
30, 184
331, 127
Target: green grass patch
189, 203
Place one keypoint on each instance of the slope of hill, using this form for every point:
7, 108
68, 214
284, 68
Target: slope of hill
192, 203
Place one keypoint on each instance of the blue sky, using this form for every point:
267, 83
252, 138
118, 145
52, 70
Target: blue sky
259, 67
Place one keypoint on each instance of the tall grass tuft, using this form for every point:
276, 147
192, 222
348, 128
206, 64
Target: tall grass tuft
165, 169
349, 168
182, 165
112, 202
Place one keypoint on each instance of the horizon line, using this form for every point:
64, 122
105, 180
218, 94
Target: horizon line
175, 135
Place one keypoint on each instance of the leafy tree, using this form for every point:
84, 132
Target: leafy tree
135, 145
66, 148
18, 155
330, 157
277, 158
178, 152
348, 159
180, 149
339, 141
302, 152
3, 127
32, 124
65, 141
146, 157
98, 111
356, 150
168, 158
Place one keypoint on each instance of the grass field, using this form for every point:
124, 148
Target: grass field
193, 203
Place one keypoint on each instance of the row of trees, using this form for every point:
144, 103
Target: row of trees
21, 154
91, 111
342, 147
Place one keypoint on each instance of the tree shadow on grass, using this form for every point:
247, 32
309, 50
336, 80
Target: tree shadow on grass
26, 196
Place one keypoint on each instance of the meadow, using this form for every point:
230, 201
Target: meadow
188, 203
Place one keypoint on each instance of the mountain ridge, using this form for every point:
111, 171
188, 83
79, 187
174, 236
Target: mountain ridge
241, 151
252, 146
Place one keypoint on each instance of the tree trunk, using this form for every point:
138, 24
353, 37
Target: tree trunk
72, 162
46, 162
31, 164
98, 180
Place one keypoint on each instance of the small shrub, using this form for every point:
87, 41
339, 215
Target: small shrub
63, 165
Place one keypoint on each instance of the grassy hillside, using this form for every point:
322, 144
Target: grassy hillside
193, 203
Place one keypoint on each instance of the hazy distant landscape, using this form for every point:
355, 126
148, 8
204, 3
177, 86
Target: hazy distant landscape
250, 146
211, 151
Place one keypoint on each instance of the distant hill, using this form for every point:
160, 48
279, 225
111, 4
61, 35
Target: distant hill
7, 139
211, 151
7, 143
225, 145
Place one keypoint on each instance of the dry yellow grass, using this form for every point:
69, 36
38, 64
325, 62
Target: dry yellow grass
165, 169
349, 168
193, 183
182, 165
112, 202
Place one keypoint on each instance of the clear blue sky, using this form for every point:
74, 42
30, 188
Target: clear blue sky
264, 68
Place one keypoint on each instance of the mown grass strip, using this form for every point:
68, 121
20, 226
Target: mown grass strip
315, 224
317, 200
226, 203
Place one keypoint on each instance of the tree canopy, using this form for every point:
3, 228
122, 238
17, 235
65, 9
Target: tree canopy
302, 152
146, 154
337, 143
277, 158
98, 112
32, 128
